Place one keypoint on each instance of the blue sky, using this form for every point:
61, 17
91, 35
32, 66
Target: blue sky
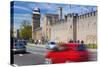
23, 10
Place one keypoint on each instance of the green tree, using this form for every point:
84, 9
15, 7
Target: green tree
25, 30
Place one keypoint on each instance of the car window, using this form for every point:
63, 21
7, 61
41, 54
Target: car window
52, 42
59, 48
15, 44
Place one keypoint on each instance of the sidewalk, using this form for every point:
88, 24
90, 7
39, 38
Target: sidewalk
92, 50
36, 45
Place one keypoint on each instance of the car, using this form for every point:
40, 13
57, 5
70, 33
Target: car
51, 45
70, 52
19, 47
24, 41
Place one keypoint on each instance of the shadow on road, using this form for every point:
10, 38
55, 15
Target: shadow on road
22, 53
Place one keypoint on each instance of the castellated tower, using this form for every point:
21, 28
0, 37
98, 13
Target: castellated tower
48, 21
65, 29
36, 24
71, 20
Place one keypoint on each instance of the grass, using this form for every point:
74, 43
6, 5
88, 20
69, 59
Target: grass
92, 46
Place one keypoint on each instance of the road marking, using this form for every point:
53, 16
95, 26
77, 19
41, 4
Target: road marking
15, 65
20, 54
43, 54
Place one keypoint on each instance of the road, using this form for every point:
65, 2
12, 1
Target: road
93, 54
36, 55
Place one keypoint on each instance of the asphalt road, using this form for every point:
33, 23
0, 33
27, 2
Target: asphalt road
36, 55
93, 54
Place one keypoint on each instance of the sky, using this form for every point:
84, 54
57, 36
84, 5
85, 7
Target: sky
23, 10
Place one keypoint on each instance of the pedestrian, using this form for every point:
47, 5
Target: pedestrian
82, 46
78, 41
71, 41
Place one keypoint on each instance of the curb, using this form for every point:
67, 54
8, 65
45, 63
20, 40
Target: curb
33, 45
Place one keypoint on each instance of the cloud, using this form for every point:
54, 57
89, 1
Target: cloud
22, 8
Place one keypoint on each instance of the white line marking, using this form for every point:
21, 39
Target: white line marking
20, 54
15, 65
43, 54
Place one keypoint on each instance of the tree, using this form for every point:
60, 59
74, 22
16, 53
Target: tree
25, 30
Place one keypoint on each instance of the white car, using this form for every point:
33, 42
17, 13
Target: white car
51, 45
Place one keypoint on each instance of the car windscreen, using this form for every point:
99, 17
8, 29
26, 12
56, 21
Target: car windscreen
15, 44
59, 48
52, 43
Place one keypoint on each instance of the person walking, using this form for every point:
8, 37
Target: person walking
82, 46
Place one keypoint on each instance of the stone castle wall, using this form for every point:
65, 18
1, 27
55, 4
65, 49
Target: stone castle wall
86, 28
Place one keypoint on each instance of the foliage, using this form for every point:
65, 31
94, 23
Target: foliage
92, 46
25, 30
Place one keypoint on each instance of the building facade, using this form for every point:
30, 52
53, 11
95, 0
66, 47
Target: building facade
48, 21
73, 26
87, 27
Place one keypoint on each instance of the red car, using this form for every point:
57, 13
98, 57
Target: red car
71, 52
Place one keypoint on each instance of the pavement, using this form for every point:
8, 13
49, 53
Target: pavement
37, 50
35, 55
92, 50
36, 45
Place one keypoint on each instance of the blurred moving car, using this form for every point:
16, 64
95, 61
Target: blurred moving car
51, 45
19, 47
72, 52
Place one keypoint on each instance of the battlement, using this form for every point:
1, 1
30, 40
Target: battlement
86, 15
69, 17
82, 16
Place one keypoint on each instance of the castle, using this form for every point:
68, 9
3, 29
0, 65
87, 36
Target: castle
73, 26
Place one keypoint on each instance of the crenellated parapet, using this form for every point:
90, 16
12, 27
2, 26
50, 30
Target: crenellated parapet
70, 16
87, 15
79, 17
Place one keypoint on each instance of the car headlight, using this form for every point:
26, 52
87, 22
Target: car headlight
48, 61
